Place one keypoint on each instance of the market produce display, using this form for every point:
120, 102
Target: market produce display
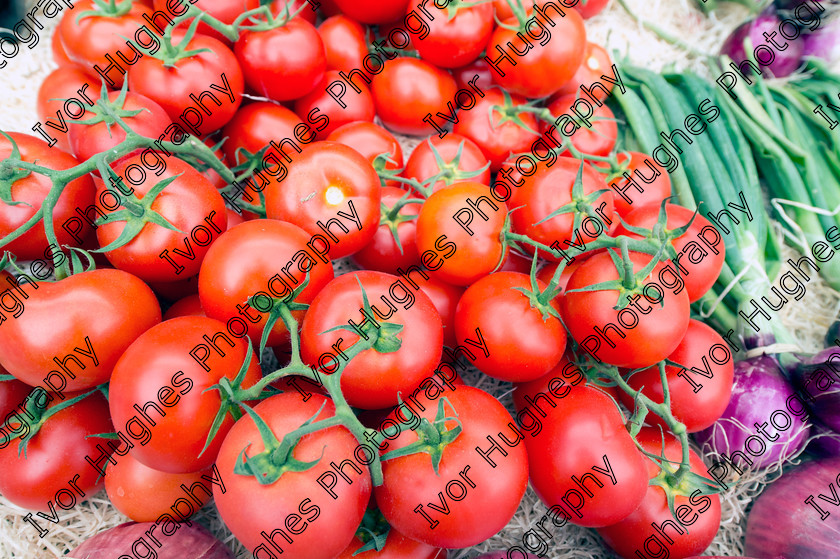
397, 279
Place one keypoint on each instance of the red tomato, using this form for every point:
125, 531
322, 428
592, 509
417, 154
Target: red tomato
597, 140
256, 124
357, 106
32, 189
322, 524
189, 202
87, 41
102, 313
547, 272
374, 378
58, 53
53, 473
480, 491
468, 246
165, 373
409, 89
172, 86
457, 34
643, 185
477, 72
344, 42
188, 306
305, 10
282, 63
245, 261
382, 252
547, 190
589, 8
327, 180
698, 516
371, 141
524, 342
698, 402
87, 140
370, 11
701, 247
647, 330
223, 10
497, 136
65, 83
596, 63
459, 155
12, 394
548, 62
445, 297
581, 436
144, 494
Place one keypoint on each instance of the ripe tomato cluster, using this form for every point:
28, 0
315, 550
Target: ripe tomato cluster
555, 265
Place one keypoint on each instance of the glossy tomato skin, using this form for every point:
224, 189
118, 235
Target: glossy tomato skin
282, 63
655, 335
497, 139
319, 108
454, 41
522, 345
456, 253
445, 297
382, 253
12, 393
168, 365
590, 8
599, 139
87, 140
33, 189
702, 245
256, 124
144, 494
58, 53
88, 41
371, 140
373, 11
697, 406
492, 494
422, 163
582, 429
242, 263
189, 202
596, 63
284, 8
636, 531
545, 67
56, 454
64, 83
550, 188
324, 179
372, 379
107, 308
344, 43
171, 87
652, 185
397, 546
324, 525
408, 89
188, 306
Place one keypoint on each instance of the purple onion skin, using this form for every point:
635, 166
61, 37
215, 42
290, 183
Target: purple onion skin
827, 442
786, 61
759, 390
781, 524
187, 542
818, 380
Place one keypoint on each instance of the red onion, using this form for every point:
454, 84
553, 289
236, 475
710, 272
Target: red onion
784, 523
149, 539
826, 443
782, 61
818, 381
762, 400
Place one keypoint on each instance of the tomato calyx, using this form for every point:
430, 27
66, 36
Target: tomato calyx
391, 217
451, 172
109, 8
373, 531
519, 12
107, 111
508, 112
541, 300
269, 465
137, 213
432, 438
383, 338
9, 174
169, 53
35, 407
